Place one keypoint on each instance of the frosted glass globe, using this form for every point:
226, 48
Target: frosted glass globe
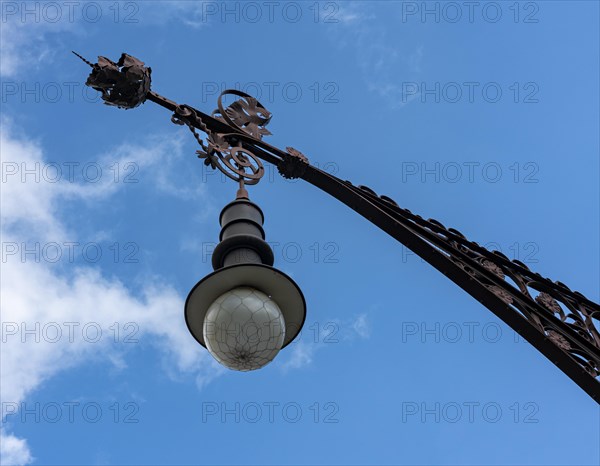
244, 329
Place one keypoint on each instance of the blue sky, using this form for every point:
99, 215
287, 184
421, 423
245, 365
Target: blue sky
485, 119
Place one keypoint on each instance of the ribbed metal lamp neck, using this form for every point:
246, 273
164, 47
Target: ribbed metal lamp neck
242, 237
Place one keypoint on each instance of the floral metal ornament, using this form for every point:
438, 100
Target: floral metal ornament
246, 114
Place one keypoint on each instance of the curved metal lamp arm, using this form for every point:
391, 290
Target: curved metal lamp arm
557, 321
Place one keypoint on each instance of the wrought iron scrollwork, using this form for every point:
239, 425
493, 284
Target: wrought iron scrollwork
237, 162
246, 114
221, 151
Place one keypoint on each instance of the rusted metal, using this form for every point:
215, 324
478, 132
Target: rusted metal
559, 322
124, 84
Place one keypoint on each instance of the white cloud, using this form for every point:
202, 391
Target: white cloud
415, 59
195, 14
31, 202
361, 326
25, 204
39, 296
33, 33
302, 355
382, 63
350, 13
30, 40
333, 332
13, 450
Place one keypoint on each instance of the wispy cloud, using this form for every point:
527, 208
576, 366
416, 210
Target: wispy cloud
33, 207
195, 14
35, 293
361, 326
14, 450
33, 33
335, 331
302, 355
31, 41
383, 63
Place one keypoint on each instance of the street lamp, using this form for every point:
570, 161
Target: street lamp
246, 310
558, 322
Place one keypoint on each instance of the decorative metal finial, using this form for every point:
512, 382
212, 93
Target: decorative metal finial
82, 59
124, 84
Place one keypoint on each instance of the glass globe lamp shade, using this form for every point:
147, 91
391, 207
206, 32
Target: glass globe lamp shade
249, 296
244, 329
